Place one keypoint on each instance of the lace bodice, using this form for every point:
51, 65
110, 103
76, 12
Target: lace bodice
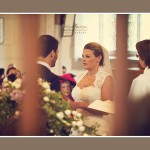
93, 92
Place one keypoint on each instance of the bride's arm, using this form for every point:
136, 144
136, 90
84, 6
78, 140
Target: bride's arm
107, 90
75, 105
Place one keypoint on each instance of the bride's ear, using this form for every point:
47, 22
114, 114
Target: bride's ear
99, 58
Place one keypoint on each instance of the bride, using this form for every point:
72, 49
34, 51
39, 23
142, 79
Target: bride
96, 83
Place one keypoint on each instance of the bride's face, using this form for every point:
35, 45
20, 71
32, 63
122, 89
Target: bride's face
89, 60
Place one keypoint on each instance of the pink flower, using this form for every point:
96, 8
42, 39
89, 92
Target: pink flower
16, 95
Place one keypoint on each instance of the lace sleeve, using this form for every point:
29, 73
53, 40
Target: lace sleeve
100, 77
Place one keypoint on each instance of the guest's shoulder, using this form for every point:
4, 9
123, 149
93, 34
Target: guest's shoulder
141, 79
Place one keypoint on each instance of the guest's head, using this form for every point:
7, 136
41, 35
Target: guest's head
64, 70
11, 70
143, 49
65, 89
11, 74
11, 65
12, 77
70, 78
48, 49
92, 55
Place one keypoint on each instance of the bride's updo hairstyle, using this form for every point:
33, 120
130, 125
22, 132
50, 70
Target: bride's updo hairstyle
97, 49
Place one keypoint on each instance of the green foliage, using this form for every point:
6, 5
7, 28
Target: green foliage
92, 130
56, 104
7, 107
62, 120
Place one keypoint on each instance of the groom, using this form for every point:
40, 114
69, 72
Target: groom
48, 53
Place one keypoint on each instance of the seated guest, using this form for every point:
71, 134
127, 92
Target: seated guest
11, 73
65, 89
69, 77
140, 86
11, 70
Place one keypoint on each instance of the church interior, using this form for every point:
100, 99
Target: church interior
118, 33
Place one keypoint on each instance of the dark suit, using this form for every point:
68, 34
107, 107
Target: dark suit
50, 77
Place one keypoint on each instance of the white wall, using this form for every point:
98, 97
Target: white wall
10, 50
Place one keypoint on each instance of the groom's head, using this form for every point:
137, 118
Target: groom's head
48, 49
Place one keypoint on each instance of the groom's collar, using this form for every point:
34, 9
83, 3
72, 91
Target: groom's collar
44, 64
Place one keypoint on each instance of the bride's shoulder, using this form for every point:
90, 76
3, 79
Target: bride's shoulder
102, 72
101, 76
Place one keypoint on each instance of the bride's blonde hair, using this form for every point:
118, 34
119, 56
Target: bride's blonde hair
97, 49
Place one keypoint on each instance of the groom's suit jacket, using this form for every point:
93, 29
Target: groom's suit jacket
50, 77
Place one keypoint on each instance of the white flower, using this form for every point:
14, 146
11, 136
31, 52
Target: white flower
46, 99
81, 128
74, 123
47, 91
74, 132
16, 85
53, 92
18, 80
79, 123
5, 79
68, 112
53, 101
79, 115
6, 84
74, 112
45, 85
51, 131
9, 82
60, 115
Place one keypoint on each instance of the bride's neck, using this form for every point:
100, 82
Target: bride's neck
92, 71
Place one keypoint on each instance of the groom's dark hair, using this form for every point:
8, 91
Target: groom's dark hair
46, 43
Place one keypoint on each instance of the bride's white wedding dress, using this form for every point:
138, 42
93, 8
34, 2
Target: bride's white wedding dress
90, 94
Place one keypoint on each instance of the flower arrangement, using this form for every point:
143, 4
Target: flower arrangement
62, 120
10, 94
